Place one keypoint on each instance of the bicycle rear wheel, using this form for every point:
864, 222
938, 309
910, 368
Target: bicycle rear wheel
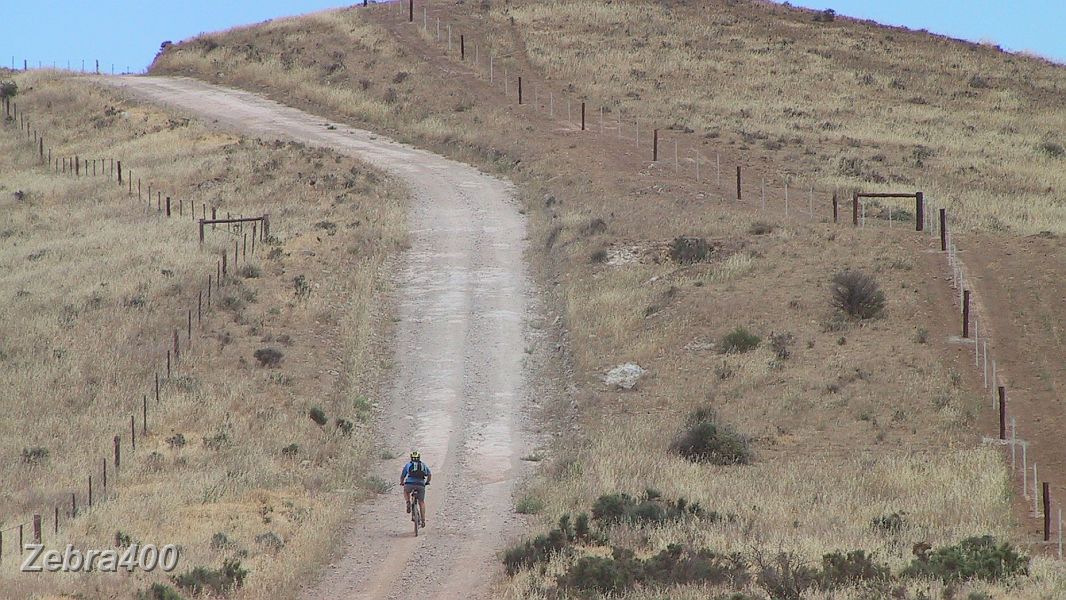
416, 515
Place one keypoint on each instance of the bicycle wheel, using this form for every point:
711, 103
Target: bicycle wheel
416, 515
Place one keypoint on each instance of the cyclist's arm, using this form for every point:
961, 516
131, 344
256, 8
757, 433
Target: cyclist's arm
403, 475
429, 475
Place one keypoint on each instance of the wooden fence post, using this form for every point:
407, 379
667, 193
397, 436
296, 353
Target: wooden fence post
836, 208
965, 314
120, 172
56, 530
655, 146
943, 230
855, 209
118, 454
144, 416
37, 529
738, 183
582, 116
919, 211
177, 351
1002, 412
201, 232
1047, 511
462, 47
410, 11
520, 90
168, 206
103, 487
90, 491
133, 433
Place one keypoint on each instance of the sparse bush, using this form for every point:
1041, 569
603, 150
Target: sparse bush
233, 303
891, 523
760, 228
676, 565
154, 462
270, 541
839, 570
738, 341
344, 426
687, 250
1052, 149
378, 485
328, 226
598, 256
268, 357
857, 294
978, 82
176, 441
122, 539
318, 415
220, 541
784, 577
217, 441
781, 344
291, 450
215, 581
8, 89
529, 505
249, 271
825, 16
34, 455
602, 575
979, 557
159, 591
595, 226
704, 440
538, 550
301, 287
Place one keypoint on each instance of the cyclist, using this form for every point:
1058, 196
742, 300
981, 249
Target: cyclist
414, 478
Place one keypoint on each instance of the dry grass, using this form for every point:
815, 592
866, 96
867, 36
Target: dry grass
93, 286
856, 422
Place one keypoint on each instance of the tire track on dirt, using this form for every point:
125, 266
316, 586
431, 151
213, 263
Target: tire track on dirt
458, 383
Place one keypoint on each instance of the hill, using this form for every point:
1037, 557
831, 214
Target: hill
850, 424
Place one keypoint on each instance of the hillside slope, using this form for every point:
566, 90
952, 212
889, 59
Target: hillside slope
851, 424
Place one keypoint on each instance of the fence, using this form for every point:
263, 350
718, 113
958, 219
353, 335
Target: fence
688, 161
111, 168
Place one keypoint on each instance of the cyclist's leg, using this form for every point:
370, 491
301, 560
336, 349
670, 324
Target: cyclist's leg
422, 503
407, 498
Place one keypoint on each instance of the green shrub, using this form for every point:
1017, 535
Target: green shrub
530, 552
760, 228
249, 271
704, 440
123, 539
1052, 149
291, 450
301, 287
780, 343
738, 341
889, 524
318, 415
35, 455
220, 541
8, 89
344, 426
784, 577
611, 509
268, 357
529, 505
839, 570
215, 581
159, 591
857, 295
687, 250
603, 575
979, 557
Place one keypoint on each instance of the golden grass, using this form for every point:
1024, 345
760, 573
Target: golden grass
852, 425
94, 285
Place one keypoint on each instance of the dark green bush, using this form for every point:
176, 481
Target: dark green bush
159, 591
35, 455
704, 439
889, 524
215, 581
857, 295
784, 577
249, 272
687, 250
318, 415
611, 509
8, 89
268, 357
291, 450
603, 575
1052, 149
839, 570
760, 228
738, 341
979, 557
344, 426
530, 552
675, 565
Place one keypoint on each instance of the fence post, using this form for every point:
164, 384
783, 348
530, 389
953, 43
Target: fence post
144, 415
201, 232
520, 90
738, 183
462, 47
965, 314
37, 529
919, 211
655, 146
943, 230
410, 11
56, 530
177, 350
133, 433
168, 206
90, 491
836, 208
582, 116
1002, 412
1047, 510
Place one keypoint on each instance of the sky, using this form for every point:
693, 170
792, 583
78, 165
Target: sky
126, 33
1037, 26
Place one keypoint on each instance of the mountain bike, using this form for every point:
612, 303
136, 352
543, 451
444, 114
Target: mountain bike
416, 512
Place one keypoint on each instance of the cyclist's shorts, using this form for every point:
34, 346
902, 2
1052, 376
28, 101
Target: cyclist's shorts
415, 489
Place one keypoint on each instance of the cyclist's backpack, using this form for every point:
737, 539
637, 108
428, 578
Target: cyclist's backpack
417, 470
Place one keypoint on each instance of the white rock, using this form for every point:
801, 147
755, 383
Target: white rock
624, 376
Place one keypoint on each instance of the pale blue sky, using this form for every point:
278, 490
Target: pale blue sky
127, 33
1035, 25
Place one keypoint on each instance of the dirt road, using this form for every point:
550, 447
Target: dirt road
458, 384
